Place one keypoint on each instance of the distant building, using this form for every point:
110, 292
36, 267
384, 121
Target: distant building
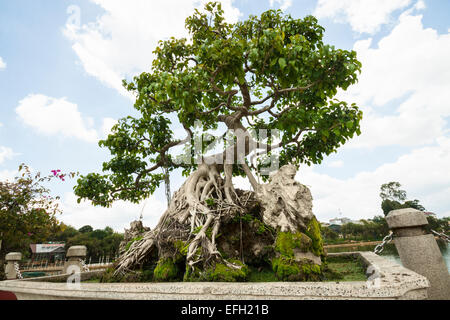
47, 251
342, 221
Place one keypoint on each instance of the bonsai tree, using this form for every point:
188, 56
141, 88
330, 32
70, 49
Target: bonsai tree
268, 72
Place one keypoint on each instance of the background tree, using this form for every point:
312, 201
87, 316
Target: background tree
394, 198
438, 225
267, 72
99, 242
372, 229
391, 191
329, 234
85, 229
64, 233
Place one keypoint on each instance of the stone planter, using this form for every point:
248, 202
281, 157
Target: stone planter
389, 281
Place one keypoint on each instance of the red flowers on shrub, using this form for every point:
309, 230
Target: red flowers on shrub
56, 174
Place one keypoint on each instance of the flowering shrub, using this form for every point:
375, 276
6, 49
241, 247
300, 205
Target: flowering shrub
27, 210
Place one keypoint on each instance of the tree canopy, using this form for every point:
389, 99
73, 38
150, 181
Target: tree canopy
267, 72
99, 242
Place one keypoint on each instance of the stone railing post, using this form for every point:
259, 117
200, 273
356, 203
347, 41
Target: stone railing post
419, 251
74, 255
10, 270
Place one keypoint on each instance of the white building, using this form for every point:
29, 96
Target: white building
342, 221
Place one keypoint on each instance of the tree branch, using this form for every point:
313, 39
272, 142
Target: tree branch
249, 175
287, 90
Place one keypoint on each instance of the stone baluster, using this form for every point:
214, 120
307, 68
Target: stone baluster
419, 251
11, 259
74, 256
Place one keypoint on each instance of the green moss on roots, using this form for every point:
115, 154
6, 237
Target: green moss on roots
286, 269
286, 242
288, 264
313, 231
220, 272
166, 270
131, 242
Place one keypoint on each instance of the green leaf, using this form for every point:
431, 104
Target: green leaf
282, 63
273, 62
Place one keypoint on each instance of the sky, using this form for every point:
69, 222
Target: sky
62, 64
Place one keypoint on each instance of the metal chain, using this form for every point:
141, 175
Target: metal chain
379, 248
84, 266
18, 273
443, 236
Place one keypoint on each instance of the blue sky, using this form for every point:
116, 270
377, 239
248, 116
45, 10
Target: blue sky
61, 63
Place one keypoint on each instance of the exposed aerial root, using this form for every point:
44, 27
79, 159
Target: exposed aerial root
200, 204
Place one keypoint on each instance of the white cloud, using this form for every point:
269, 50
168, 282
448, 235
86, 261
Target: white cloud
53, 116
420, 5
2, 64
411, 58
336, 164
410, 64
284, 4
119, 44
8, 175
363, 16
117, 217
424, 174
6, 154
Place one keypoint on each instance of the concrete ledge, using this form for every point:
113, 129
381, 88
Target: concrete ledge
63, 277
396, 282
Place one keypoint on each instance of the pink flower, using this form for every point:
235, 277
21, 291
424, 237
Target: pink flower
55, 172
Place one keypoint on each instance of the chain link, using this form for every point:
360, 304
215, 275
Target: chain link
84, 266
379, 248
443, 236
17, 268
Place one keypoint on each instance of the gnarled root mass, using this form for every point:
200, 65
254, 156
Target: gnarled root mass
212, 230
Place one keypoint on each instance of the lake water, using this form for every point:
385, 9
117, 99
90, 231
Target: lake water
390, 252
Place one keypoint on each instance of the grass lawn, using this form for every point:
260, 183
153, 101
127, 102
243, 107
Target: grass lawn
345, 269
